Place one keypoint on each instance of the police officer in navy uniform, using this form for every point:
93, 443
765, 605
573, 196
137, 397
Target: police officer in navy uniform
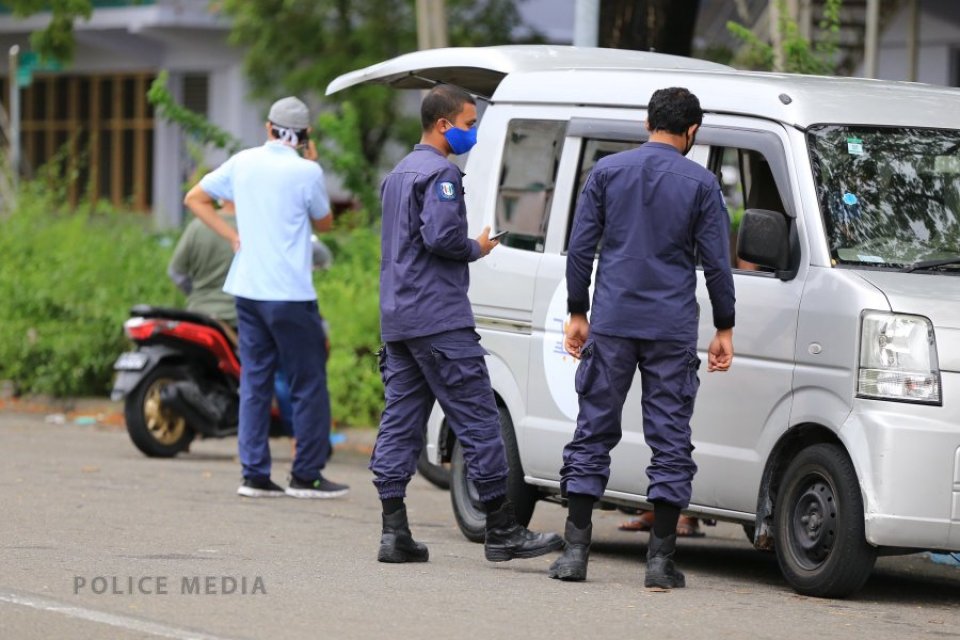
431, 350
653, 211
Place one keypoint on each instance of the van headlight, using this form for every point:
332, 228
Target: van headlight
898, 358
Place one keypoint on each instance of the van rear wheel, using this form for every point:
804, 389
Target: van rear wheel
821, 545
467, 508
436, 474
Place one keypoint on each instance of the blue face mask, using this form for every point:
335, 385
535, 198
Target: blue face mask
461, 140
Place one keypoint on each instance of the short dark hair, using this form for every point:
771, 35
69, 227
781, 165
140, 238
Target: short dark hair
674, 110
443, 101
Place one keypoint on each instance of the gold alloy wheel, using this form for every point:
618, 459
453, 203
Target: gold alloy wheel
164, 426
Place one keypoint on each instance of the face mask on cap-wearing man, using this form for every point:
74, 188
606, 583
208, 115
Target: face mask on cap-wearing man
287, 136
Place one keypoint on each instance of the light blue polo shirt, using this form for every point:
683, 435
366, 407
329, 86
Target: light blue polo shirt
276, 192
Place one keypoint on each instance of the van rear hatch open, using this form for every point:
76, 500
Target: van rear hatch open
480, 70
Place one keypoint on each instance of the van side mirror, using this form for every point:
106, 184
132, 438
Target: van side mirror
764, 239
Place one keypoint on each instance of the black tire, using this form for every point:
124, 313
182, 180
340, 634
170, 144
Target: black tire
467, 508
821, 545
436, 474
156, 431
523, 496
750, 531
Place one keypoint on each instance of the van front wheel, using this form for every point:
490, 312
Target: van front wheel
820, 540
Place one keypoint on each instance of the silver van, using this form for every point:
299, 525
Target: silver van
835, 436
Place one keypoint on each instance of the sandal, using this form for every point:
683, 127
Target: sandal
689, 527
643, 523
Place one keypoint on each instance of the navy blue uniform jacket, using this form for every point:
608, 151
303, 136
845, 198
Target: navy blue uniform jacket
424, 273
653, 211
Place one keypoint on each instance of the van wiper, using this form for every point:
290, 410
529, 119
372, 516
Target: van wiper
930, 264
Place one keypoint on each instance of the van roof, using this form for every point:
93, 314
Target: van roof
551, 74
481, 69
797, 100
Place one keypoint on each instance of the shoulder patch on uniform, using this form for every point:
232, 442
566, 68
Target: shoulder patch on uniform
446, 191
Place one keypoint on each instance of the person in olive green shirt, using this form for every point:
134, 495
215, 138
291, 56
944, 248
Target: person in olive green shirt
199, 267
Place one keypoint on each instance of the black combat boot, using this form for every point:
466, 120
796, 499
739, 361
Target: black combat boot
507, 539
661, 572
572, 565
396, 542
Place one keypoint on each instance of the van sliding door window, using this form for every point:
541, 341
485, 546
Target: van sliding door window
593, 151
527, 180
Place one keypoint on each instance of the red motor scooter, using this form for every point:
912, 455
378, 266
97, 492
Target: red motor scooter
182, 380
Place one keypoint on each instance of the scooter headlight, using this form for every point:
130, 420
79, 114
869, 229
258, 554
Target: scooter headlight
898, 358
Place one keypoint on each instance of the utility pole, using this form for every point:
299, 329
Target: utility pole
431, 24
913, 40
776, 36
586, 29
13, 84
871, 49
805, 19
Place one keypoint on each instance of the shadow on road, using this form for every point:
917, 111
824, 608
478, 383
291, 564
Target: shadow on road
728, 559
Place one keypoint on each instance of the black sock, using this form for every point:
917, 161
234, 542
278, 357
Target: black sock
581, 509
494, 504
665, 517
391, 505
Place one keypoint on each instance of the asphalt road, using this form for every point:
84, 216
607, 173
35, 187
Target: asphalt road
82, 511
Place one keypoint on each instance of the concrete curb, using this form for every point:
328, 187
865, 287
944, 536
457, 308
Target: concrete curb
104, 413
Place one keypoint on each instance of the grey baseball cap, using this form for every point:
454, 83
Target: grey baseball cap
289, 112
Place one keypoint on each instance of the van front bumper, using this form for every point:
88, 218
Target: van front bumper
908, 459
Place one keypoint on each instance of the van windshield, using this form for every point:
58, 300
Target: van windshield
890, 197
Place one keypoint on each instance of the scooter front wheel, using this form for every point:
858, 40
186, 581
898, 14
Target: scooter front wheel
156, 430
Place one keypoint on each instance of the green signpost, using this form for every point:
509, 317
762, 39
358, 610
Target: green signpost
30, 62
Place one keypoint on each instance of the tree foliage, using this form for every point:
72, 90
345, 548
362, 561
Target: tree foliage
799, 54
56, 40
299, 46
193, 124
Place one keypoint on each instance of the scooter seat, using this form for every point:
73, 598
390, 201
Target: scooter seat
147, 311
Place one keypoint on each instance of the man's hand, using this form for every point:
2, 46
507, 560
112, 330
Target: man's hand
201, 204
720, 352
486, 244
310, 151
575, 334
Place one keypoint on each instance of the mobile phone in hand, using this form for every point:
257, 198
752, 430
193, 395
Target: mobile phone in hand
498, 235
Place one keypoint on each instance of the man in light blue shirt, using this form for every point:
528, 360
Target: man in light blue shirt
278, 195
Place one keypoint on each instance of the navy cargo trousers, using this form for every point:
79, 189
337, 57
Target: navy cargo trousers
449, 368
668, 376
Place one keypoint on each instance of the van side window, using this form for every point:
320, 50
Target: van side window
531, 156
591, 153
747, 182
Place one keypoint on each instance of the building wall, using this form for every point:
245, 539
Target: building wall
146, 39
939, 36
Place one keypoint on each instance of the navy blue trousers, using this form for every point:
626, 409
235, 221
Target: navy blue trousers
449, 368
288, 335
669, 382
